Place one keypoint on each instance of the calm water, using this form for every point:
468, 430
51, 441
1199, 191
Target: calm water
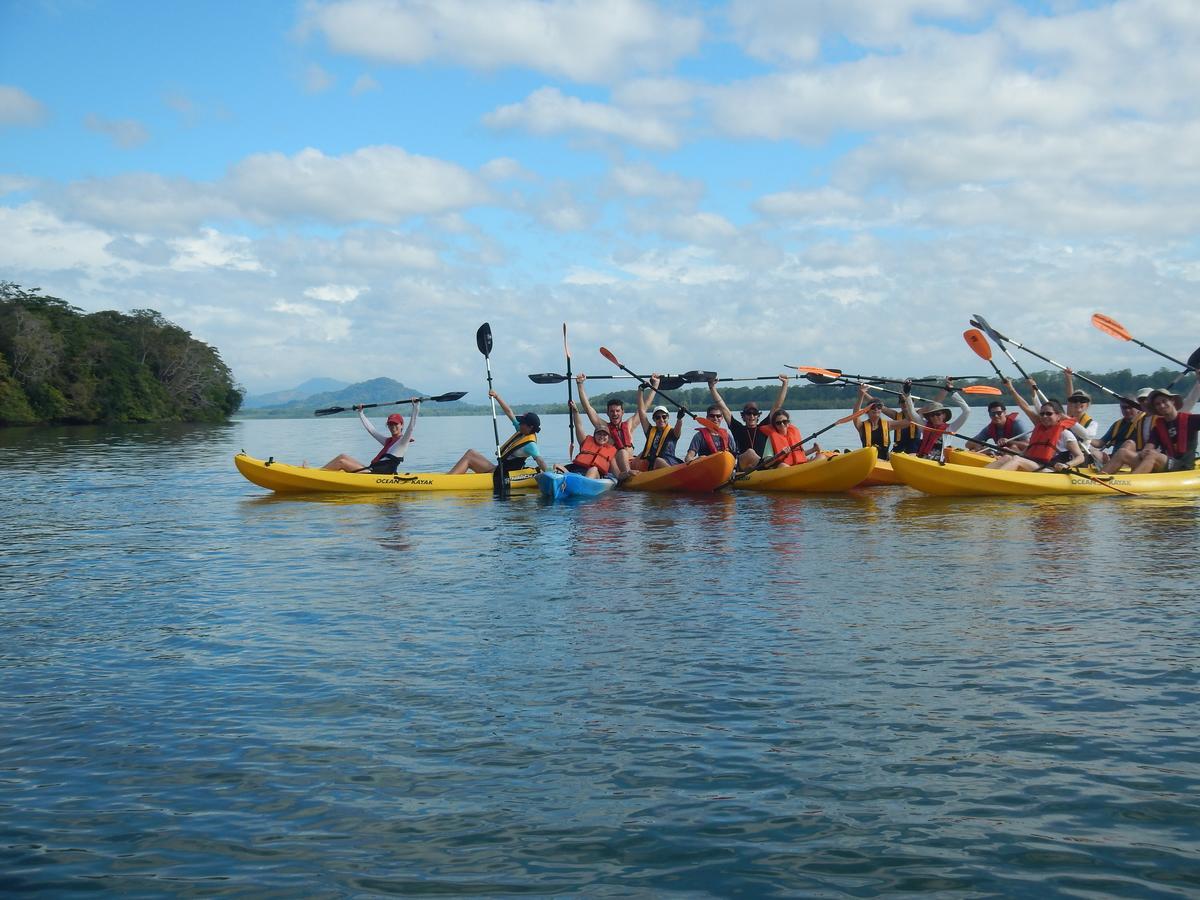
205, 689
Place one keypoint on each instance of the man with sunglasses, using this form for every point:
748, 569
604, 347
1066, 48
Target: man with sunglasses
750, 434
1001, 429
1051, 444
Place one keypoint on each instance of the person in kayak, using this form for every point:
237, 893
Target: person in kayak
618, 426
750, 434
708, 441
1126, 430
783, 442
513, 453
1002, 429
934, 420
1137, 452
1171, 446
661, 436
390, 455
875, 430
597, 455
1052, 445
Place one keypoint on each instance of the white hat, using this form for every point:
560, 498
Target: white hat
654, 412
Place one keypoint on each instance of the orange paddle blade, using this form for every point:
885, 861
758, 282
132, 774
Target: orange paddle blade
977, 342
1111, 326
816, 370
708, 423
608, 354
982, 389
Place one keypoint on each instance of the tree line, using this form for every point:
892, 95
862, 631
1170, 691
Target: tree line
61, 365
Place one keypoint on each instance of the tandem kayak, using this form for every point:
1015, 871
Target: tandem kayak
702, 474
283, 478
825, 474
961, 457
972, 481
556, 486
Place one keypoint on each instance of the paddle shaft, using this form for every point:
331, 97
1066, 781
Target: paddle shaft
774, 459
570, 395
608, 354
1001, 338
331, 410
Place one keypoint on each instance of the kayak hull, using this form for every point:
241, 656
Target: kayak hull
972, 481
287, 479
962, 457
882, 473
555, 486
701, 475
825, 475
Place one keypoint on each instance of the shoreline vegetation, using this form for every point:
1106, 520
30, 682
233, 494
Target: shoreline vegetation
62, 366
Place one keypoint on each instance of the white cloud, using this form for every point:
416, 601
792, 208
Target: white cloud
644, 180
211, 249
142, 202
334, 293
379, 184
18, 108
125, 133
363, 84
35, 239
547, 111
576, 39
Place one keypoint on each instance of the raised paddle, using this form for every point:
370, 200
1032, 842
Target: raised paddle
1111, 326
1193, 365
440, 398
670, 382
483, 340
1001, 339
696, 376
926, 381
570, 395
772, 461
980, 323
707, 423
978, 342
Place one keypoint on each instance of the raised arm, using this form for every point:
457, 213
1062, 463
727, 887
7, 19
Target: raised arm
371, 429
964, 411
779, 400
1192, 396
717, 399
504, 406
577, 419
1025, 407
587, 406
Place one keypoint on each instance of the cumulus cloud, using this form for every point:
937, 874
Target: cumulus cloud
142, 202
379, 184
18, 108
125, 133
317, 80
334, 293
364, 84
547, 111
576, 39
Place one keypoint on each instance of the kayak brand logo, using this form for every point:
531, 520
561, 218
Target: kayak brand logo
404, 479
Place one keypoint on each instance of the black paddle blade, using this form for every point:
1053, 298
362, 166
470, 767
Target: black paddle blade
547, 378
329, 411
981, 323
672, 382
698, 376
1194, 359
816, 378
450, 397
483, 339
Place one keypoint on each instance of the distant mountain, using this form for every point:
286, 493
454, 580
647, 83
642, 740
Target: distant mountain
300, 392
377, 390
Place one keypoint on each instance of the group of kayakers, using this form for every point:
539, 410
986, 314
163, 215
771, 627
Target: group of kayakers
1157, 434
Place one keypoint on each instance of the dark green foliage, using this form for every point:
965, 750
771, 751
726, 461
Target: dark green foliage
58, 364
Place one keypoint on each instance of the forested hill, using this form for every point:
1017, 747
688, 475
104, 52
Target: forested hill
61, 365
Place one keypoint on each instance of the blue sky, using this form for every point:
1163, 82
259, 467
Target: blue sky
350, 187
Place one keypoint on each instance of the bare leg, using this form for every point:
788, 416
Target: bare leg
343, 463
473, 460
748, 460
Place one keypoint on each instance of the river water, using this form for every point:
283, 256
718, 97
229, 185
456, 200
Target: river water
207, 689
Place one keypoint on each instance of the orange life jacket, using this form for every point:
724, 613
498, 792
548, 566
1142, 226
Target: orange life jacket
726, 440
621, 435
1043, 441
786, 447
593, 453
1007, 430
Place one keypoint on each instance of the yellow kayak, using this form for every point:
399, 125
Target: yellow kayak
823, 475
882, 473
961, 457
281, 477
959, 481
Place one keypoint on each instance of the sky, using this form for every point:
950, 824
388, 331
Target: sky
350, 188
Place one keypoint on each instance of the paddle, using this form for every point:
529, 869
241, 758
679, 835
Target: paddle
670, 382
483, 340
840, 374
976, 341
980, 322
570, 396
1116, 329
707, 423
1000, 339
773, 461
1193, 365
699, 377
440, 398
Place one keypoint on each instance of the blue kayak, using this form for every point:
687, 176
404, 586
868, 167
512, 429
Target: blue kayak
555, 486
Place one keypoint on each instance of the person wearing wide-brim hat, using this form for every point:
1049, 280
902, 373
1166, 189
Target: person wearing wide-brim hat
934, 419
874, 429
662, 437
1171, 445
391, 453
513, 453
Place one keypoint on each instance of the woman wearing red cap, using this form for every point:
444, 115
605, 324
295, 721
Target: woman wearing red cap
390, 455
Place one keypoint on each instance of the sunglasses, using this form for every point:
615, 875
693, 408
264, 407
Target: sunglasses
661, 416
782, 421
1046, 412
603, 434
997, 412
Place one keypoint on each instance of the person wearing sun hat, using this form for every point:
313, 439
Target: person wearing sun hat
661, 436
1171, 446
390, 455
875, 428
934, 419
513, 453
750, 434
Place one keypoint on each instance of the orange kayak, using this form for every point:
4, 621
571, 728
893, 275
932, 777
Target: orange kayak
701, 475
